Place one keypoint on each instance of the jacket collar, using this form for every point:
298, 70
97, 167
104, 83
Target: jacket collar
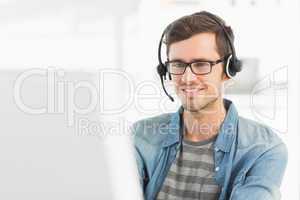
174, 128
226, 133
228, 128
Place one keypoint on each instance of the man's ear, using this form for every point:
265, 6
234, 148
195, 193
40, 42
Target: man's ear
224, 77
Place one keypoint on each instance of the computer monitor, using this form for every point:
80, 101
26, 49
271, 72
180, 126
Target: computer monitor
49, 155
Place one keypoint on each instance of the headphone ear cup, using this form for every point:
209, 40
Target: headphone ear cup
161, 70
233, 66
228, 67
237, 65
231, 70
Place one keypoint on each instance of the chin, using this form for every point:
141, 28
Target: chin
193, 105
191, 109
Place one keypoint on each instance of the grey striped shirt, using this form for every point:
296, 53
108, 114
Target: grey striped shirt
191, 175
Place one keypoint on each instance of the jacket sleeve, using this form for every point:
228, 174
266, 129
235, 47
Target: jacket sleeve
263, 180
140, 166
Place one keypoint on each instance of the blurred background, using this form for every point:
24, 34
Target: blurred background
79, 40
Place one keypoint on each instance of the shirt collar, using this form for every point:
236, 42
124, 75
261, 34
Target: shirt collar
226, 133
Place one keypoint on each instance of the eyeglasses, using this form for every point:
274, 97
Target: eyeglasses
197, 67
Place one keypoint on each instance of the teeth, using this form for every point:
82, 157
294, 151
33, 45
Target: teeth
194, 89
191, 90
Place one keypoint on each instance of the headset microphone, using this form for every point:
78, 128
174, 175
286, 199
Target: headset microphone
163, 86
162, 70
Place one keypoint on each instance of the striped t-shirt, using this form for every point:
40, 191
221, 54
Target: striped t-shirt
191, 175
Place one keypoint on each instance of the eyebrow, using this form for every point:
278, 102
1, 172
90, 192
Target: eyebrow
193, 60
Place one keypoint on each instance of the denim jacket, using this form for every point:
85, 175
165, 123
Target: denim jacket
250, 159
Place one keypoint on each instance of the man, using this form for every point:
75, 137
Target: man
205, 150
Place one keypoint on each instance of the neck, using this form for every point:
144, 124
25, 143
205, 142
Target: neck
205, 123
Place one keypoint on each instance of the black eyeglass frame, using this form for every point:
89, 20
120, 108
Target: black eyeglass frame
211, 64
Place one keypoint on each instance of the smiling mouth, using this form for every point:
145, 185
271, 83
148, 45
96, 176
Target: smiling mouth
192, 91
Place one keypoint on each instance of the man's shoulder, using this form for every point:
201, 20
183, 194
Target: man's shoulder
254, 133
158, 119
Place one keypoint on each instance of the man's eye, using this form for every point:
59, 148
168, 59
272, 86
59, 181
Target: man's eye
200, 64
179, 65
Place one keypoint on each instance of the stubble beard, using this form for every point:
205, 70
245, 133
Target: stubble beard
199, 106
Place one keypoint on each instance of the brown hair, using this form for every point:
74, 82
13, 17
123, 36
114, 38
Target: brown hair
201, 22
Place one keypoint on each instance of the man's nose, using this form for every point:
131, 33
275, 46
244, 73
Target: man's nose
188, 75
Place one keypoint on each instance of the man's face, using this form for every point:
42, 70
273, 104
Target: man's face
197, 91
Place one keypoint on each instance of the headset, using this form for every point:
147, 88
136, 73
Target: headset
233, 64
